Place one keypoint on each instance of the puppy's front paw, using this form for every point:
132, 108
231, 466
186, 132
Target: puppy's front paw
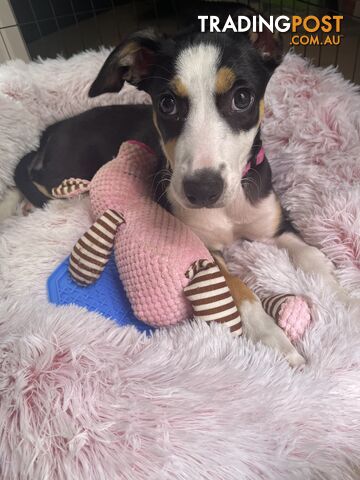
295, 359
260, 327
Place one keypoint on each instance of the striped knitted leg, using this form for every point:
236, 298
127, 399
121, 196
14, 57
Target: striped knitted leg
70, 187
291, 313
210, 296
92, 251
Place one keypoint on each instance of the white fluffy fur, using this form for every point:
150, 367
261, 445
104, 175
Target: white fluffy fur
82, 399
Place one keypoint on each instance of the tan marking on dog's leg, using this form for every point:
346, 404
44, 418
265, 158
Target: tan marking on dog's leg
238, 289
258, 325
225, 78
43, 190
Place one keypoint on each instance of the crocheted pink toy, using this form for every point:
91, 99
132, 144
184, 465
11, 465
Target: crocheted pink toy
157, 255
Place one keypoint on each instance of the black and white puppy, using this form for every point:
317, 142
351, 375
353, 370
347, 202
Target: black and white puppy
207, 92
207, 95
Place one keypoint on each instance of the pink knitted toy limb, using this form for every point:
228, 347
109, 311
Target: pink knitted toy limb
291, 313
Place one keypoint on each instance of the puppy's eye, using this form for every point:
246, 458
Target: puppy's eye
167, 104
242, 99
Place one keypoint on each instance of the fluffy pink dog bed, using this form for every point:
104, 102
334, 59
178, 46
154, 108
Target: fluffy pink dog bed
82, 399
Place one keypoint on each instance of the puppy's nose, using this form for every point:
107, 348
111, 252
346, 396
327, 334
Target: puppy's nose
203, 188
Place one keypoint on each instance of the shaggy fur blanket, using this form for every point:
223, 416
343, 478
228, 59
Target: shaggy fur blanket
83, 399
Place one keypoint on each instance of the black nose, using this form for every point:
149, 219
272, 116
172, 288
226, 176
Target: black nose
203, 188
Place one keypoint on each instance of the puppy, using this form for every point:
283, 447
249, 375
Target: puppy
207, 95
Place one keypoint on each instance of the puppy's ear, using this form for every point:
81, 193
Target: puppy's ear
269, 44
132, 61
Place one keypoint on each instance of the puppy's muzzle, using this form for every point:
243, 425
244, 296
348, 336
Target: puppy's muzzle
203, 188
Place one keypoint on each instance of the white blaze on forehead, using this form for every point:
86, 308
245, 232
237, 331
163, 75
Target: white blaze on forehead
197, 66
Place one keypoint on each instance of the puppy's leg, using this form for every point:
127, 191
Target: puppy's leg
257, 324
312, 260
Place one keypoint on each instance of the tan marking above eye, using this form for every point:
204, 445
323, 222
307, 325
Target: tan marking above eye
225, 79
129, 49
178, 87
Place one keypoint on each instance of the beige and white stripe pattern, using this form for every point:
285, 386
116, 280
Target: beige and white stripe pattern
70, 187
210, 296
272, 304
92, 251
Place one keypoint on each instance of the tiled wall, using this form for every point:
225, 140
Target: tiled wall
12, 44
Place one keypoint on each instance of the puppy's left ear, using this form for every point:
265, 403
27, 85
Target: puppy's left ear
132, 61
269, 45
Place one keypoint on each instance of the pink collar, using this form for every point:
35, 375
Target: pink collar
259, 159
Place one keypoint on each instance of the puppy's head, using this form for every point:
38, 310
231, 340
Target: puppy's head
207, 92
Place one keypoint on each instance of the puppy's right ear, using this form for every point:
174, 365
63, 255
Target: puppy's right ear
132, 61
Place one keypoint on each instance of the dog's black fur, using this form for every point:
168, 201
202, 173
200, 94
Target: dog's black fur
79, 146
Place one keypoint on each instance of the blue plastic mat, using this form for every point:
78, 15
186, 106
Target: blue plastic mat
105, 296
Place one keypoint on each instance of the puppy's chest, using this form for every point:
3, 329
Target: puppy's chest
220, 227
